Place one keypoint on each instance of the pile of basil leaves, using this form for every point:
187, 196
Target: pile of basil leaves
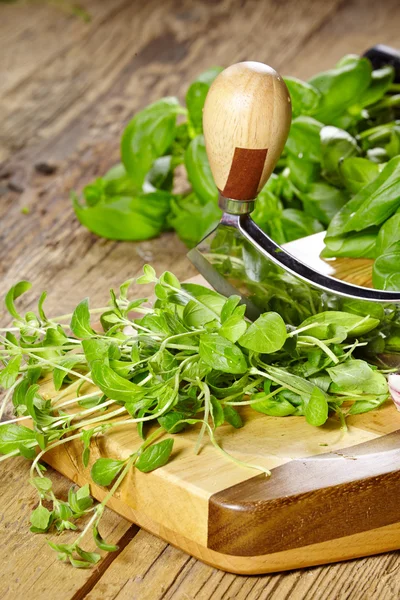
340, 170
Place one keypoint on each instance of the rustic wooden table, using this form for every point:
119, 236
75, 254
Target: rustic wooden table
67, 88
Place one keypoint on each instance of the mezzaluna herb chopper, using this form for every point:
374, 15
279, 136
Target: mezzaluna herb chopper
246, 122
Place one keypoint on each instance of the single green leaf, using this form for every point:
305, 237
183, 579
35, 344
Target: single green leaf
389, 235
266, 335
42, 484
105, 470
80, 322
90, 557
322, 201
229, 307
155, 456
9, 374
40, 518
386, 270
191, 218
114, 386
356, 376
357, 245
381, 80
232, 417
217, 412
13, 293
305, 97
336, 145
296, 224
341, 87
199, 172
355, 325
372, 205
170, 421
316, 408
356, 172
101, 543
233, 328
12, 436
148, 136
274, 407
221, 354
132, 218
304, 139
196, 96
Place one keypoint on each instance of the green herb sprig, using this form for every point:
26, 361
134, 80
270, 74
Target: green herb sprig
190, 360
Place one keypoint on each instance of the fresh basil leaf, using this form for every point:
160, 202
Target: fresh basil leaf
229, 307
170, 421
340, 88
90, 557
363, 308
199, 172
192, 219
12, 436
266, 335
336, 145
68, 362
105, 470
9, 374
155, 456
322, 201
130, 218
302, 172
196, 96
95, 350
217, 412
13, 293
373, 204
114, 386
357, 172
42, 484
354, 325
160, 176
304, 139
219, 353
381, 80
147, 136
356, 376
274, 407
386, 270
232, 417
357, 245
233, 327
101, 543
80, 322
305, 97
196, 314
389, 235
40, 518
207, 297
316, 408
363, 406
297, 224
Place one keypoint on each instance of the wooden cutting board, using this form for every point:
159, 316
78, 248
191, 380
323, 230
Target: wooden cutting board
331, 496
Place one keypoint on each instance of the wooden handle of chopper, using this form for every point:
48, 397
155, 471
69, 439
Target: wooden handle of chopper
246, 121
